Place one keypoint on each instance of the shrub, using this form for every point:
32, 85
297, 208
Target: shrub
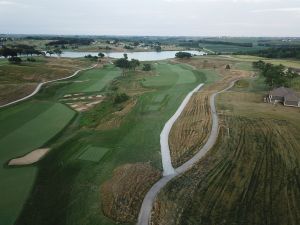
183, 55
147, 67
119, 98
15, 60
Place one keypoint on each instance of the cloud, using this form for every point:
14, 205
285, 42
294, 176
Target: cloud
234, 1
7, 3
292, 9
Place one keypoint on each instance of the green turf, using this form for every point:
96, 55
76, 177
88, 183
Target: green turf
170, 75
92, 80
73, 195
93, 154
38, 123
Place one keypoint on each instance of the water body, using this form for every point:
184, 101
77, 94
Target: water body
142, 56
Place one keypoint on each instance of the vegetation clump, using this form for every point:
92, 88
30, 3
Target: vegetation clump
119, 98
123, 194
182, 55
146, 67
275, 75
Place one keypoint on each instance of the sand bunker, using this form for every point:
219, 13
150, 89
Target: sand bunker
82, 103
30, 158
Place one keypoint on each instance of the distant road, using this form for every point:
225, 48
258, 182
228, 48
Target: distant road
145, 212
38, 88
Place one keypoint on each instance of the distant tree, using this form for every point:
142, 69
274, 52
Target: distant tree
58, 52
122, 63
8, 52
119, 98
50, 52
157, 48
15, 60
125, 56
134, 63
101, 55
182, 55
147, 67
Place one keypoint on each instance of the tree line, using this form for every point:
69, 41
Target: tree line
279, 52
275, 75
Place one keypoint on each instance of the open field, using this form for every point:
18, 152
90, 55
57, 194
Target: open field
25, 128
251, 176
192, 129
73, 191
17, 81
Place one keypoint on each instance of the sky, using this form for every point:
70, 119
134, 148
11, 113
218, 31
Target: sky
152, 17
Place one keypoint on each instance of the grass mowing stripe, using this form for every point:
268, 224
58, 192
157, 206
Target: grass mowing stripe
16, 183
94, 154
12, 118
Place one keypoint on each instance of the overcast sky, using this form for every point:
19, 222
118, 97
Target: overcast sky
152, 17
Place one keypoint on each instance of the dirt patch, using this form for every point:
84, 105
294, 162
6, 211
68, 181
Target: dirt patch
30, 158
122, 196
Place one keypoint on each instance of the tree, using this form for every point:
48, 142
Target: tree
58, 52
147, 67
134, 63
125, 56
101, 55
15, 60
122, 63
182, 55
50, 52
8, 52
119, 98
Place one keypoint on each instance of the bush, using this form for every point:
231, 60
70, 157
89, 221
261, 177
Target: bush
147, 67
31, 59
119, 98
15, 60
183, 55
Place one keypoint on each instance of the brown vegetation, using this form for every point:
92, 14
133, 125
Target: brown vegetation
17, 81
122, 195
251, 176
192, 129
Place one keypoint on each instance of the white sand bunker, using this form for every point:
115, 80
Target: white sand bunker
30, 158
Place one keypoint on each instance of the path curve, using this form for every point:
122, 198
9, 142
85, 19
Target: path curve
146, 208
164, 136
38, 88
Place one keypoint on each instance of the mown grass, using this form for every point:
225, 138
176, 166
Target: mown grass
251, 176
24, 128
67, 188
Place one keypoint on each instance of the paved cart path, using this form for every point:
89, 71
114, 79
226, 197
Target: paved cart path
146, 209
40, 85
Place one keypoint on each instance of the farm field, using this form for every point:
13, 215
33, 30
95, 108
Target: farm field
251, 176
25, 128
72, 192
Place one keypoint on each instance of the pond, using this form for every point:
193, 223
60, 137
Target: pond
142, 56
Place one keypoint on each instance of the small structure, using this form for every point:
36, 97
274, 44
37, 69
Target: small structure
284, 95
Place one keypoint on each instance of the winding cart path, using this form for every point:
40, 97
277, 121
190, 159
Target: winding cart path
40, 85
169, 173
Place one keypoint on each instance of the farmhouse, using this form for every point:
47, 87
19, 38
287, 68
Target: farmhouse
284, 95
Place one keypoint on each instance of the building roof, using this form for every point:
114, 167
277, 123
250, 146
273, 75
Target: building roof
281, 92
291, 98
286, 93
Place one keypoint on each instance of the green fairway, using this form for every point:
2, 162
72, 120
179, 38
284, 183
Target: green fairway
24, 128
168, 74
73, 190
93, 154
92, 80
